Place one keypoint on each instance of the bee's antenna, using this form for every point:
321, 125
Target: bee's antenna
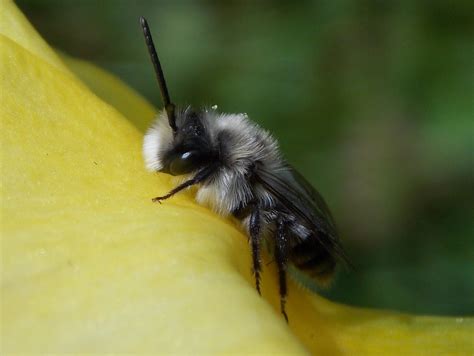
169, 106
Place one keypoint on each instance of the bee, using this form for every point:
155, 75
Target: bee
239, 171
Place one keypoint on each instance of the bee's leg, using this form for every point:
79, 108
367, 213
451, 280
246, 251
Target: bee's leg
179, 188
281, 257
254, 231
200, 176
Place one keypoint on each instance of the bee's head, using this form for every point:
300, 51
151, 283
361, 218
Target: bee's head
180, 151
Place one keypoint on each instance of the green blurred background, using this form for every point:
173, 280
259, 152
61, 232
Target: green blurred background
371, 100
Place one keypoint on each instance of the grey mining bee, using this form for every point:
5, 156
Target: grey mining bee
239, 171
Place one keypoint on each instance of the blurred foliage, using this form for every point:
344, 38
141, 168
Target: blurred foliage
371, 100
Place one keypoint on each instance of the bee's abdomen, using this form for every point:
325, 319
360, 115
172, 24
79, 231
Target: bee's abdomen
311, 258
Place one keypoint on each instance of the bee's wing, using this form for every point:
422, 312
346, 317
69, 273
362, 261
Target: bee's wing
300, 198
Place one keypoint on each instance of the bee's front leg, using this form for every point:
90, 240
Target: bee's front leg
200, 176
179, 188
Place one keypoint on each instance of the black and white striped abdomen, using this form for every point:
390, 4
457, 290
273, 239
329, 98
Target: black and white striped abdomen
310, 257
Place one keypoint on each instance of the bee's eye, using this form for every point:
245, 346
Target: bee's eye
184, 163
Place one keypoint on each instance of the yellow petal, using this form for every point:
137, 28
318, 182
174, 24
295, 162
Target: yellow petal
89, 264
111, 90
14, 25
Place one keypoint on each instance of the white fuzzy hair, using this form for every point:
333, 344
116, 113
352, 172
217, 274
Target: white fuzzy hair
158, 139
245, 144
